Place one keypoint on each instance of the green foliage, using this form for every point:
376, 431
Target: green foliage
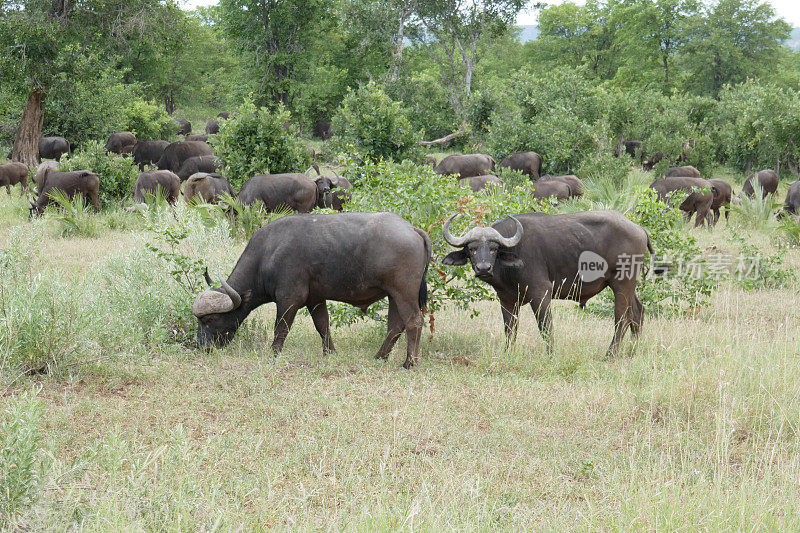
375, 125
148, 121
753, 212
759, 269
254, 141
789, 227
75, 217
117, 174
22, 467
425, 100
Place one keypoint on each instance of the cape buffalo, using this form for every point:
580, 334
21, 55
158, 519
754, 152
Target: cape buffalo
466, 165
722, 193
768, 179
305, 260
295, 191
42, 170
200, 163
198, 137
649, 162
207, 188
686, 171
121, 143
339, 189
13, 173
184, 126
82, 182
149, 183
791, 206
575, 183
323, 130
224, 115
541, 190
628, 147
212, 127
148, 152
701, 195
479, 183
53, 148
176, 153
534, 257
530, 163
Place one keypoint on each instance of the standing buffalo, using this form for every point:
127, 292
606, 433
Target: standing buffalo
687, 171
632, 148
340, 194
53, 148
722, 193
649, 162
121, 143
767, 179
42, 170
13, 173
82, 182
295, 191
150, 183
323, 130
212, 127
176, 153
206, 188
574, 182
791, 206
197, 137
184, 126
570, 257
148, 152
305, 260
530, 163
701, 196
198, 163
479, 183
466, 165
541, 190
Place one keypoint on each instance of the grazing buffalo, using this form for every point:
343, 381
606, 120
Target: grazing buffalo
575, 183
767, 179
628, 147
184, 126
13, 173
176, 153
722, 193
295, 191
530, 163
541, 190
197, 137
150, 183
148, 152
649, 162
479, 183
82, 182
224, 115
121, 142
206, 188
701, 196
305, 260
212, 127
686, 171
53, 148
340, 194
43, 169
791, 206
323, 130
534, 257
466, 165
200, 163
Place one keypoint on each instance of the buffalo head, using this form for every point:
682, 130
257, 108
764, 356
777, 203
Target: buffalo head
324, 186
217, 323
483, 247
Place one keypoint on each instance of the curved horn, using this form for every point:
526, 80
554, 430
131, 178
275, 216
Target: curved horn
510, 242
230, 291
456, 242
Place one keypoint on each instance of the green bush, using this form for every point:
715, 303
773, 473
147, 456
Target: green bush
376, 126
117, 174
148, 121
254, 141
426, 102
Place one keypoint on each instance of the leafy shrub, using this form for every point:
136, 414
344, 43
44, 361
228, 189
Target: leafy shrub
790, 229
148, 121
117, 174
753, 212
73, 216
375, 125
254, 141
426, 102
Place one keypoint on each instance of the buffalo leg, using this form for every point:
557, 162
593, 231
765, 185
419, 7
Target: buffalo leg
283, 322
8, 189
510, 310
319, 314
637, 316
544, 318
394, 327
95, 201
623, 302
412, 319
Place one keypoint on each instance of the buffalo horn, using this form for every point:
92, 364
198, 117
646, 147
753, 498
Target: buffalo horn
490, 234
231, 292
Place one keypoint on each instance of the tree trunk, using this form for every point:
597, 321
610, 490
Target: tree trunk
26, 143
169, 103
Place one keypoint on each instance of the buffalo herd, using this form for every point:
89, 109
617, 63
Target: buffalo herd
306, 259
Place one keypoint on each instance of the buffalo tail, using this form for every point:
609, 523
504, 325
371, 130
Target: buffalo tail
423, 286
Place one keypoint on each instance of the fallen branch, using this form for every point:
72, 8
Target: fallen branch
443, 140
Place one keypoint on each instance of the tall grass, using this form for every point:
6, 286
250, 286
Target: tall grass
753, 212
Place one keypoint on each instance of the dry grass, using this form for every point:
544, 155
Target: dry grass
698, 429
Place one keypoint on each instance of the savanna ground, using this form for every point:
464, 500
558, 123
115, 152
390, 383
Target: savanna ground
698, 429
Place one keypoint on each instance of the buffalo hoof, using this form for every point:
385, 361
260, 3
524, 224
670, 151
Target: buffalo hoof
383, 356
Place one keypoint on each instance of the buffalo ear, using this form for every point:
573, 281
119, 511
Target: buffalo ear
456, 258
508, 259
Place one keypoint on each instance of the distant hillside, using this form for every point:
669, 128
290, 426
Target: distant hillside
531, 32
